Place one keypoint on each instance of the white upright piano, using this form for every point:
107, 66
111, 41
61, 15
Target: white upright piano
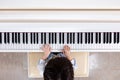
85, 25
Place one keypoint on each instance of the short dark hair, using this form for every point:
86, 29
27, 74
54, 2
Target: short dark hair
59, 68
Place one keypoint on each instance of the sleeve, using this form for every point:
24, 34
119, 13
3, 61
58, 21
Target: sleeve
74, 64
41, 66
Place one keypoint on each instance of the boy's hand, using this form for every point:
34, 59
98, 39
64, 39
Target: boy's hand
46, 49
66, 52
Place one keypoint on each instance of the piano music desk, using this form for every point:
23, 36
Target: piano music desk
82, 59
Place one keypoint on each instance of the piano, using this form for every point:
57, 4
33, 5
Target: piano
88, 37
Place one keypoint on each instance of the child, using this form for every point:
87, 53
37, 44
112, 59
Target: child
54, 65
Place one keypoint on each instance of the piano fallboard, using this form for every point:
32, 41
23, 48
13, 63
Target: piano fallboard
59, 27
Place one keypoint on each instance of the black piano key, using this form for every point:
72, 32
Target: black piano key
23, 38
26, 38
117, 37
52, 38
8, 38
41, 38
70, 38
78, 37
60, 38
114, 37
96, 37
31, 38
86, 38
81, 38
13, 38
104, 38
16, 38
107, 37
99, 38
44, 38
73, 38
55, 38
92, 38
67, 38
89, 38
5, 38
37, 38
49, 38
34, 36
110, 37
19, 38
0, 38
63, 38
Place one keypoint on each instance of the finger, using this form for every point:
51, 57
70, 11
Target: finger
50, 48
68, 48
65, 47
46, 46
42, 47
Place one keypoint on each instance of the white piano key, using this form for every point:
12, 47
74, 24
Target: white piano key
65, 39
53, 44
76, 45
61, 45
58, 45
56, 41
2, 38
72, 47
51, 41
47, 38
112, 37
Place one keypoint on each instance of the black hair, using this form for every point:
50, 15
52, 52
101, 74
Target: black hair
59, 68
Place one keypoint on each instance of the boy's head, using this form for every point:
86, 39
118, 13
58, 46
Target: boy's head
59, 68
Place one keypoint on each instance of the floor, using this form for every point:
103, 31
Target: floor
103, 66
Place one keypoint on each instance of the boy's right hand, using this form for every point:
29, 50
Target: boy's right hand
47, 50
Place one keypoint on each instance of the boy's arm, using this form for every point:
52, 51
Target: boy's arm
41, 66
66, 52
73, 61
74, 64
41, 63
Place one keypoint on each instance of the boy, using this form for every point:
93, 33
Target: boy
57, 66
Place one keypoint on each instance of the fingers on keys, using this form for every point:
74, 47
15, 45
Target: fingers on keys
66, 47
46, 46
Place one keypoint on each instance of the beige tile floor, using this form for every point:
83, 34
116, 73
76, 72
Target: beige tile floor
103, 66
82, 63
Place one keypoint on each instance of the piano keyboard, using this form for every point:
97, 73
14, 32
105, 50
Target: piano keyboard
78, 41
